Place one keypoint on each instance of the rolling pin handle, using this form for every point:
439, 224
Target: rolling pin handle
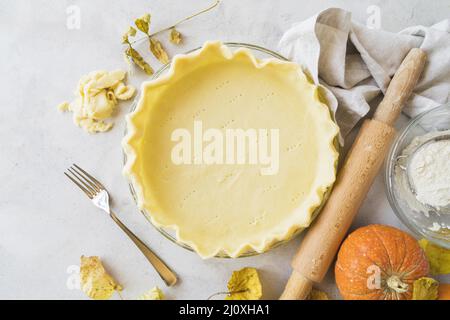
401, 87
297, 288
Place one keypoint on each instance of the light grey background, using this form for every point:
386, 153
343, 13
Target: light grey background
45, 223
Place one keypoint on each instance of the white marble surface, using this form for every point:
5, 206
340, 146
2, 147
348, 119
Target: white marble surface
46, 224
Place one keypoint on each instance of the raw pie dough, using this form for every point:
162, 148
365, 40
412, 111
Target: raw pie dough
231, 208
97, 96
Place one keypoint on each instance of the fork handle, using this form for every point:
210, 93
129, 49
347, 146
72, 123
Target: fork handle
168, 276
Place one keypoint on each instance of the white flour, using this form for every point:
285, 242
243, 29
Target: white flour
429, 173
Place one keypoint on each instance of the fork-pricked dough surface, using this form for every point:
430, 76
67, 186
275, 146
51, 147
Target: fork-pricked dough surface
231, 208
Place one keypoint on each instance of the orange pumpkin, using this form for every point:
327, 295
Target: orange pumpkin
444, 291
379, 262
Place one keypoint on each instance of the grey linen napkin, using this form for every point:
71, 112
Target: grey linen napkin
354, 64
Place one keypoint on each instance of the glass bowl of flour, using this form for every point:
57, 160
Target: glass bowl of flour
418, 175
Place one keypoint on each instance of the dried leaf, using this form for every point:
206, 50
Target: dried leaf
95, 282
439, 258
143, 23
138, 60
152, 294
158, 51
175, 36
425, 289
130, 33
318, 295
244, 285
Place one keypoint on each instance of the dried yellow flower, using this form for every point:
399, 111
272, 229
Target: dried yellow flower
244, 285
95, 282
130, 52
130, 33
143, 23
158, 51
318, 295
439, 258
152, 294
425, 289
138, 60
175, 36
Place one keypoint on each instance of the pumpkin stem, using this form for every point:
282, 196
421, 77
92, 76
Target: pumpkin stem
396, 284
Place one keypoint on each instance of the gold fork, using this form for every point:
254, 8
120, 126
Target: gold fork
100, 197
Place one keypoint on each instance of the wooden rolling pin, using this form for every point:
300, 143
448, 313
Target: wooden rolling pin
362, 164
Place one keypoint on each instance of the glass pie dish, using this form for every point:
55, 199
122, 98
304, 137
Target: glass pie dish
170, 233
423, 220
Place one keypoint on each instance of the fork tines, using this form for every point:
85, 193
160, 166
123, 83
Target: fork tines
87, 183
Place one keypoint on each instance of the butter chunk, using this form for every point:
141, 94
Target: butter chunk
97, 96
